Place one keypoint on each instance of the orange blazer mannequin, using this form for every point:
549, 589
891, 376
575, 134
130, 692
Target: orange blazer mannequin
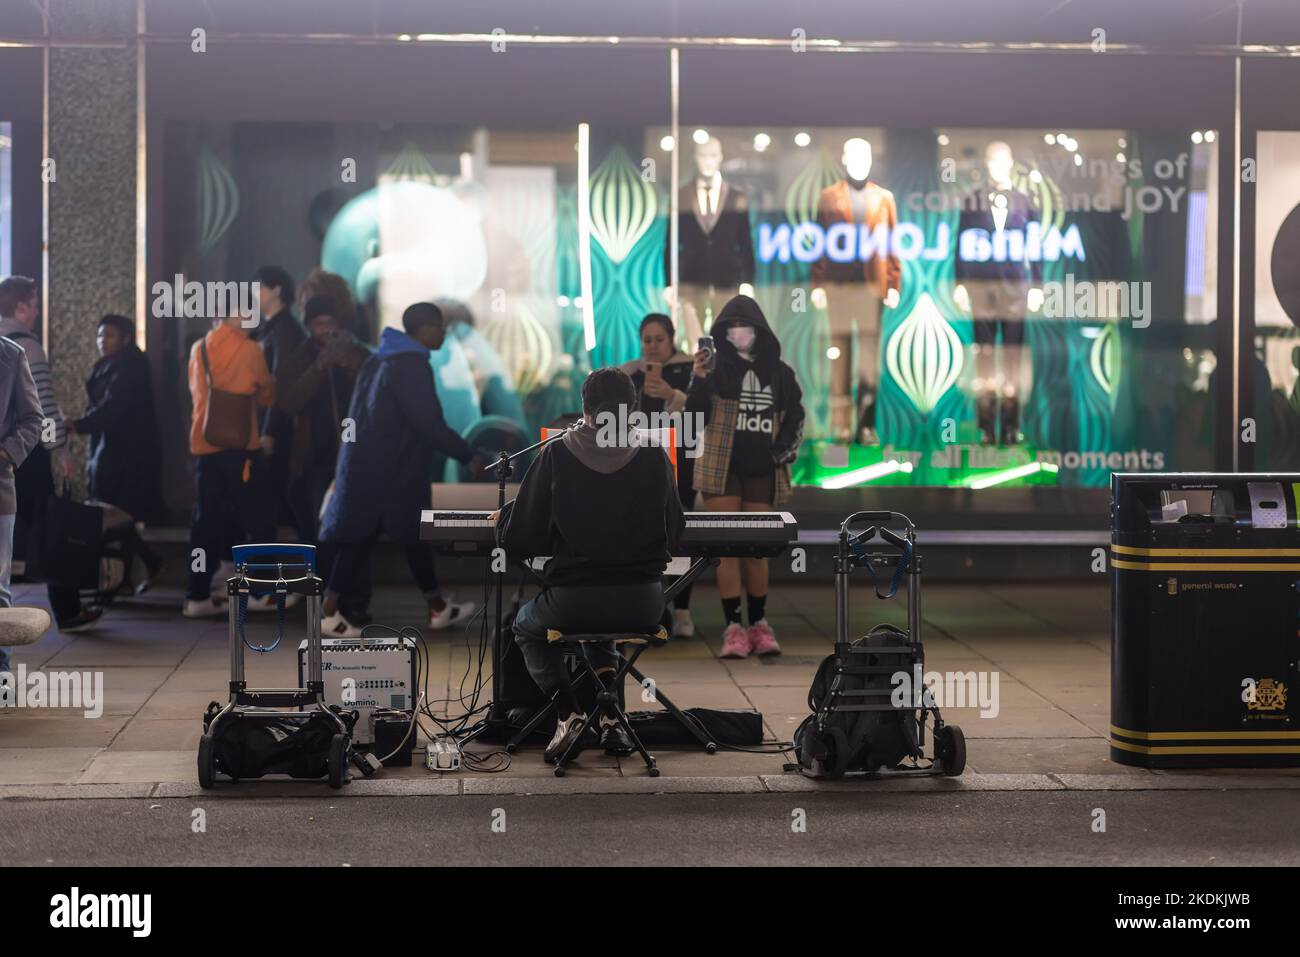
881, 272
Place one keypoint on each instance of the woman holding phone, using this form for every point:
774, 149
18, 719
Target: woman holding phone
662, 377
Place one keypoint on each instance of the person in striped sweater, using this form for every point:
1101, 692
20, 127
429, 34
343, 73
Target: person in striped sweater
20, 314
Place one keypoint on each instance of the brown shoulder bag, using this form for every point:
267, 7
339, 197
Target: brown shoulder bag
229, 419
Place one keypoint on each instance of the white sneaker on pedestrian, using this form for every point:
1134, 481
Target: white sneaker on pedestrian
225, 571
201, 608
683, 625
336, 626
453, 613
267, 602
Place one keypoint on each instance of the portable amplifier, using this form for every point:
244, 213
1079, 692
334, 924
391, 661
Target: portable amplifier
379, 675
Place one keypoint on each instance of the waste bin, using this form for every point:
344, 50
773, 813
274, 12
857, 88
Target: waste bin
1205, 620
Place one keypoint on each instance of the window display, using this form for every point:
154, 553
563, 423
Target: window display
978, 307
963, 307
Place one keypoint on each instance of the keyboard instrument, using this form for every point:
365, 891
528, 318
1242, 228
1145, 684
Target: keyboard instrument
707, 534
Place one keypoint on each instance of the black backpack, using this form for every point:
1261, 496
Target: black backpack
855, 726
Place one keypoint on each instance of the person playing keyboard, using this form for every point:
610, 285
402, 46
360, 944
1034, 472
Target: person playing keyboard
607, 512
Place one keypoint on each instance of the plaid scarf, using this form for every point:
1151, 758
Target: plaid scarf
714, 461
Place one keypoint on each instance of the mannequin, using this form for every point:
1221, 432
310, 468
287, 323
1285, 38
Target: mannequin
715, 248
998, 295
853, 292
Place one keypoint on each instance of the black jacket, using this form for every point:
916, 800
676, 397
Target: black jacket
729, 372
279, 336
615, 528
316, 399
125, 457
722, 257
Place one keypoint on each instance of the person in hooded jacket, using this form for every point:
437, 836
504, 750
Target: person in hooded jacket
755, 414
382, 479
605, 509
662, 378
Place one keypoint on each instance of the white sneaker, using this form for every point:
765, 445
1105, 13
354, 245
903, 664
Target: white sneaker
683, 626
202, 608
225, 571
267, 602
336, 626
453, 613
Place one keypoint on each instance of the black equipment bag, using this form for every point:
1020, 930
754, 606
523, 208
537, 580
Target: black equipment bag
660, 729
66, 539
250, 744
861, 720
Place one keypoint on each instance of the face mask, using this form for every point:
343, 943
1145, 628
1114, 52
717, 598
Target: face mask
742, 337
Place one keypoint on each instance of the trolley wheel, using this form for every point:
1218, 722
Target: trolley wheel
710, 748
653, 772
511, 748
207, 763
559, 770
338, 761
950, 750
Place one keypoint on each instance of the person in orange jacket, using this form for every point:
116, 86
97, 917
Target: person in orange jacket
230, 484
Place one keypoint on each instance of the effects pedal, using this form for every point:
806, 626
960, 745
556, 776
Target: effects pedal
443, 754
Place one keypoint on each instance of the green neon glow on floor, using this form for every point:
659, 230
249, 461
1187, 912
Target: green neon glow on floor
954, 465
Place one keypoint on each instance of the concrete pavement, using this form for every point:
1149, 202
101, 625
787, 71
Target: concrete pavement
1046, 645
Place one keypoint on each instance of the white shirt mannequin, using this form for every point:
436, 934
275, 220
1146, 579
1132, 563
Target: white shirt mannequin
707, 193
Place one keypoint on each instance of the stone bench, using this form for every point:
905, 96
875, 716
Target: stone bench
23, 626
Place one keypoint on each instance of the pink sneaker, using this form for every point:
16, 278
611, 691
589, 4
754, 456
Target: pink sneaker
761, 639
735, 641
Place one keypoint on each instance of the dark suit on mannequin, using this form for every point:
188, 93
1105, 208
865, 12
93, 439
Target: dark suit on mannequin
998, 290
715, 248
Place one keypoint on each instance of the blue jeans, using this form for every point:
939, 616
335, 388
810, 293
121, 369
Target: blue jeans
6, 567
577, 609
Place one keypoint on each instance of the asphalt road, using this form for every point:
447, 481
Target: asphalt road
1197, 828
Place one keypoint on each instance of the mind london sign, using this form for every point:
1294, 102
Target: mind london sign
847, 242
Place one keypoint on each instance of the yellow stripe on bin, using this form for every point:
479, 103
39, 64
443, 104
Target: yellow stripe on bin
1206, 552
1200, 735
1207, 566
1169, 749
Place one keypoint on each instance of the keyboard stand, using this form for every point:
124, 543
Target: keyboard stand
502, 727
694, 727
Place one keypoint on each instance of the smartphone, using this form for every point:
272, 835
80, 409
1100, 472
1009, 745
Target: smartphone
706, 345
653, 370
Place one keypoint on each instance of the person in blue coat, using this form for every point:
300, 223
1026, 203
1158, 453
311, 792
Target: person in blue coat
381, 482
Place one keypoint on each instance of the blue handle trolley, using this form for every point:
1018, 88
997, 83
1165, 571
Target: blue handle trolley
252, 735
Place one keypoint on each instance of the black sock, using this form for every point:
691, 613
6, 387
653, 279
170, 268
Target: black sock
731, 610
757, 605
566, 705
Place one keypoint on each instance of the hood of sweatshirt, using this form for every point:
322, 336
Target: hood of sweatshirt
394, 342
599, 449
744, 310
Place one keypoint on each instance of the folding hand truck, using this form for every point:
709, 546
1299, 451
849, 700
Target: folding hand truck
250, 736
855, 694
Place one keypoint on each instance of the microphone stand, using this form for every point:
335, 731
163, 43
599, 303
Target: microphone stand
503, 468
